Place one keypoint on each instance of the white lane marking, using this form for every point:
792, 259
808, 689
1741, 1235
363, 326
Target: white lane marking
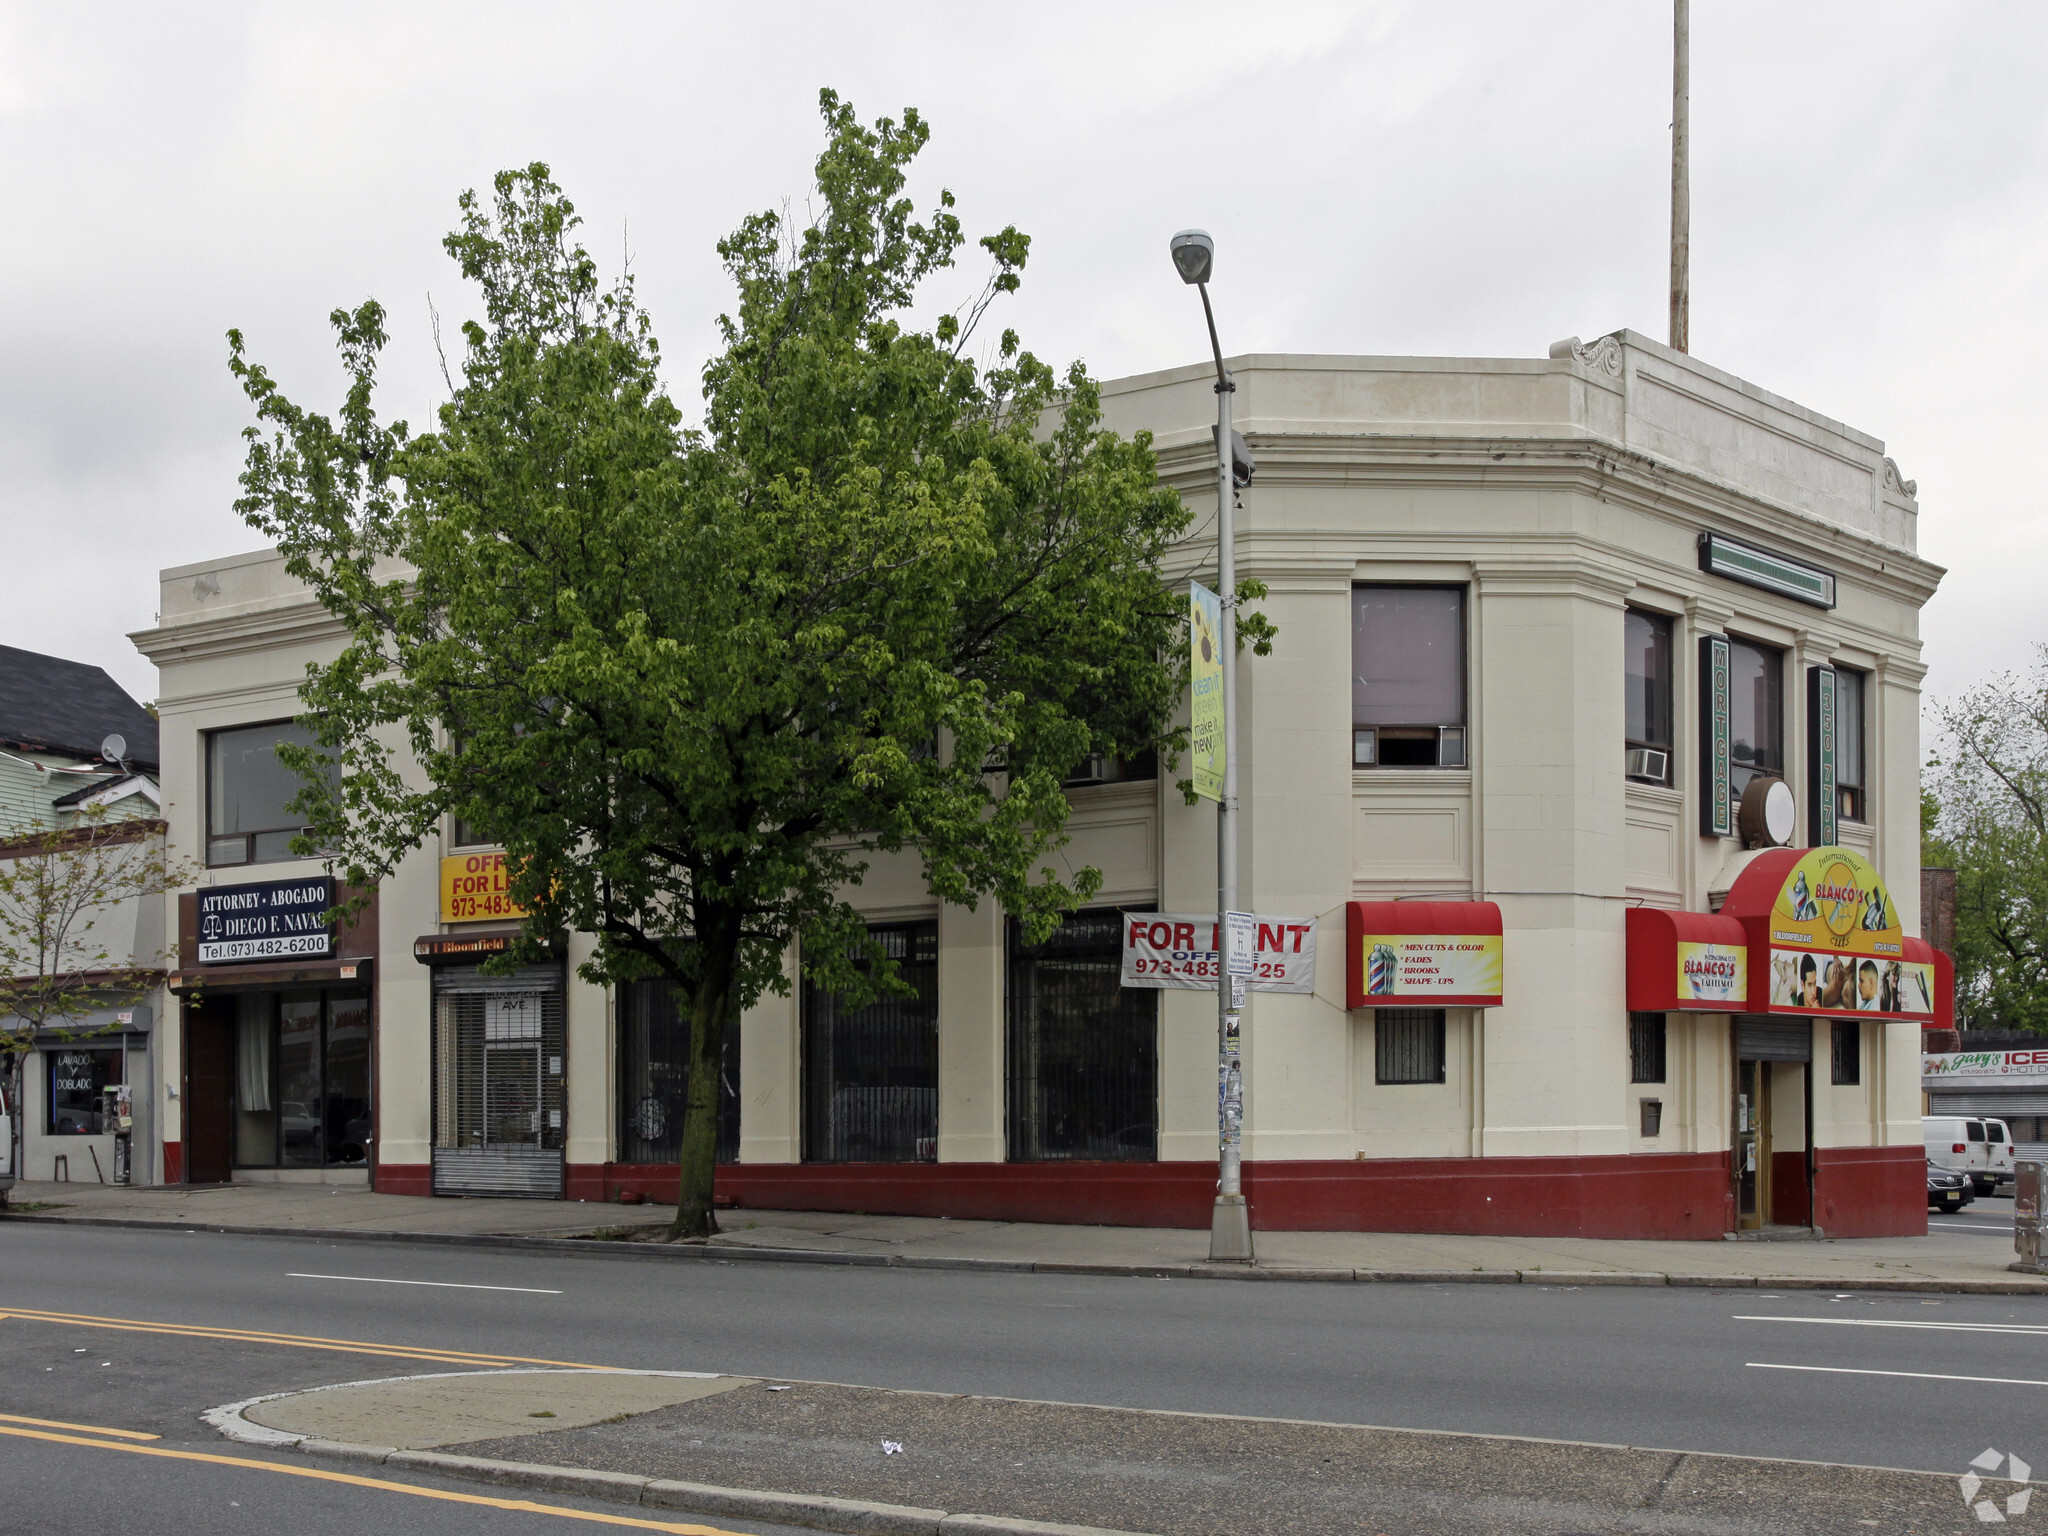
1972, 1226
445, 1285
1843, 1370
2033, 1330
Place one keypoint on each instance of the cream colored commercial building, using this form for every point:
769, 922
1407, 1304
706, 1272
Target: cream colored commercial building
1551, 522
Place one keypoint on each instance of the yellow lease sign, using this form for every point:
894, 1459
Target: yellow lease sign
474, 889
1205, 689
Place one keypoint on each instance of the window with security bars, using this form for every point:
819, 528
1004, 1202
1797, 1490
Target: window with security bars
1408, 1045
1646, 1047
654, 1077
1082, 1063
871, 1075
1847, 1065
498, 1070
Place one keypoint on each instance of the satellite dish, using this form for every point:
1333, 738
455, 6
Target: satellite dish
114, 748
1768, 813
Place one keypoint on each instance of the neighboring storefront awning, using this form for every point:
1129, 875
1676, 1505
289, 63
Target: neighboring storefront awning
1686, 962
271, 974
1422, 954
1825, 942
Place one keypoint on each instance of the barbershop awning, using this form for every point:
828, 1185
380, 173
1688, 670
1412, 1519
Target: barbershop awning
1825, 941
1422, 954
1686, 962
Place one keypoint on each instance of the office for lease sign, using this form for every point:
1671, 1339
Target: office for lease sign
476, 889
1179, 951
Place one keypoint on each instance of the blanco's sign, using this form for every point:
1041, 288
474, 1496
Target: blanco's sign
1179, 950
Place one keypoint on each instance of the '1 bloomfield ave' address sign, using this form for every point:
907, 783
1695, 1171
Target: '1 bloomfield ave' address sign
270, 920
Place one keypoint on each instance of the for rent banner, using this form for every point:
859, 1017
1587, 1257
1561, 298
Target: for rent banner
1178, 951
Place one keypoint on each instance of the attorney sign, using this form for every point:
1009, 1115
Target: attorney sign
270, 920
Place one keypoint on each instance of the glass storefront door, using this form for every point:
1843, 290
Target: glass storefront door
302, 1079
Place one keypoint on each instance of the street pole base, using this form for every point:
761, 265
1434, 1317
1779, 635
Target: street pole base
1230, 1231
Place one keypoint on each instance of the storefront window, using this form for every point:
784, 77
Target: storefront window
1756, 714
1082, 1063
1408, 677
1408, 1045
77, 1079
1646, 654
871, 1075
302, 1079
1849, 778
247, 794
654, 1077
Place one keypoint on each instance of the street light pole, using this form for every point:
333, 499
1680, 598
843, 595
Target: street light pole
1230, 1230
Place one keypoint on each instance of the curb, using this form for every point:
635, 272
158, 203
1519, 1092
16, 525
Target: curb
724, 1253
857, 1517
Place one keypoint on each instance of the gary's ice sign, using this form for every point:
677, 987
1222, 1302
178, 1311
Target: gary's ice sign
271, 920
1179, 950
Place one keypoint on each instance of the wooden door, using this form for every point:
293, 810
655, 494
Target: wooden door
209, 1091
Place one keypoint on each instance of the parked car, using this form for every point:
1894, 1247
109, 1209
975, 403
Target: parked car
1947, 1191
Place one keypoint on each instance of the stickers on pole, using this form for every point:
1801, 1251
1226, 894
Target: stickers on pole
1179, 951
1205, 689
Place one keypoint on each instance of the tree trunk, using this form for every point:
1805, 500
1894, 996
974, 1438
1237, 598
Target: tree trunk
708, 1005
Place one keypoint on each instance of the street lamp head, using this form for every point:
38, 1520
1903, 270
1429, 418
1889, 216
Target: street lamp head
1193, 254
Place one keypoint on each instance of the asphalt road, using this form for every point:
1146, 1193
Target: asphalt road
1890, 1380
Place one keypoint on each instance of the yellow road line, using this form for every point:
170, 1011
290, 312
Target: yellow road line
519, 1506
291, 1340
95, 1429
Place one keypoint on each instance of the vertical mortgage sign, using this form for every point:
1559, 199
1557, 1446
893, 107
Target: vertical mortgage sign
1205, 689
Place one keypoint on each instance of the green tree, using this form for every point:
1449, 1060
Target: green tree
693, 679
1985, 814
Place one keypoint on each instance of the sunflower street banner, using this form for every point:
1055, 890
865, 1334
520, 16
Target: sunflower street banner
1205, 689
1178, 951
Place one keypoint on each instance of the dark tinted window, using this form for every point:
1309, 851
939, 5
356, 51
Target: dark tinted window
1646, 640
1083, 1054
871, 1075
1849, 762
247, 794
77, 1079
1408, 1045
654, 1077
1848, 1052
1756, 713
1646, 1047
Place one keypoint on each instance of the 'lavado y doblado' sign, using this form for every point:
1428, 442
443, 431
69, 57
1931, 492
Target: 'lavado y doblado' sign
271, 920
1178, 950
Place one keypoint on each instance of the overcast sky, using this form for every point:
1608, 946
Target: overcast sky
1870, 216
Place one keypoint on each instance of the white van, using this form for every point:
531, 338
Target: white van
1971, 1145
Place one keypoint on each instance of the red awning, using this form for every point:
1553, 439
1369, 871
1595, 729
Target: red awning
1686, 962
1422, 954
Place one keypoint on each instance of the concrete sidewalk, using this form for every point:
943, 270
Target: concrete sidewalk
1950, 1257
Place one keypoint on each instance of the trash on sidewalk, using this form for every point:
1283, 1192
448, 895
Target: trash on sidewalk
892, 1448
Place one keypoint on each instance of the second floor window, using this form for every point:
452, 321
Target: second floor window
1756, 714
1849, 769
1646, 665
247, 792
1408, 677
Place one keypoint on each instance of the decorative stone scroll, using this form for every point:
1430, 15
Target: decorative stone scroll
1894, 481
1602, 355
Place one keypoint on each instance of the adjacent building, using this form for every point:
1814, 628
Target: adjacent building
76, 748
1580, 804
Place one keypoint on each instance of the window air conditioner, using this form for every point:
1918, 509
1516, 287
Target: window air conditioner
1648, 763
1092, 769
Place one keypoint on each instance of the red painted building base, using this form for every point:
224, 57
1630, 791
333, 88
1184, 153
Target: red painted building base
1860, 1192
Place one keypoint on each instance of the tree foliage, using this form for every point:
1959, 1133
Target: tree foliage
1986, 816
695, 679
